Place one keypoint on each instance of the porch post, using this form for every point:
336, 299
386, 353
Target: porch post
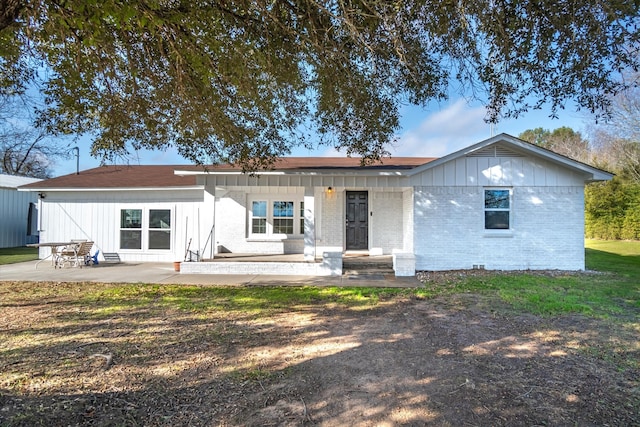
309, 224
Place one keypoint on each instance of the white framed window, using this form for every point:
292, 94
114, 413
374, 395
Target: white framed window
282, 217
159, 229
145, 229
275, 216
497, 209
259, 217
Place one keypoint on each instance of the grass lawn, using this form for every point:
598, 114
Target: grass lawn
467, 348
622, 257
20, 254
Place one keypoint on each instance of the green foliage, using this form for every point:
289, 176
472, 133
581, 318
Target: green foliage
245, 81
612, 210
562, 140
19, 254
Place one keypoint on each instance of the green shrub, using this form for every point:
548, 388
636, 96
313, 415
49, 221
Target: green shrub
612, 210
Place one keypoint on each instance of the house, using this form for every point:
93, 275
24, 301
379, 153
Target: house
18, 212
499, 204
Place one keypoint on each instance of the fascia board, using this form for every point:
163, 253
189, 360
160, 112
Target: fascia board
76, 189
310, 172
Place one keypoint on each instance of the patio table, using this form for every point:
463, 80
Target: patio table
56, 247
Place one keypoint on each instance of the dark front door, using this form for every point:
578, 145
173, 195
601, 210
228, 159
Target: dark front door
357, 220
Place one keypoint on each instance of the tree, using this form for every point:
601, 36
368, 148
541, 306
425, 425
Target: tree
245, 81
620, 155
612, 210
617, 141
24, 149
563, 140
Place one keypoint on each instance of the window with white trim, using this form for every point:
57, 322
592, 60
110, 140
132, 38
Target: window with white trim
282, 217
259, 217
148, 229
159, 229
497, 209
131, 229
275, 217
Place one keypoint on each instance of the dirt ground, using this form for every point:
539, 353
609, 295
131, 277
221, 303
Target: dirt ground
454, 361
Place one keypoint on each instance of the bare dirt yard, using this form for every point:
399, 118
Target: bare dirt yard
179, 358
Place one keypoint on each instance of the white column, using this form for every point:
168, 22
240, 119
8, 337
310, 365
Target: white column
309, 224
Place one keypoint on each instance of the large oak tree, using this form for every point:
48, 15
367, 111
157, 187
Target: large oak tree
247, 80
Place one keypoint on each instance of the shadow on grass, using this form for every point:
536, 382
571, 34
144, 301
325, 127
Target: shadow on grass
411, 363
624, 265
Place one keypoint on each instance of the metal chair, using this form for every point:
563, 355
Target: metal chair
73, 254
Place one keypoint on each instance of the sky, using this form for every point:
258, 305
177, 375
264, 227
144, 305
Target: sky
425, 132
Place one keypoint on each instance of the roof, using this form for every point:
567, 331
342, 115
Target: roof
173, 176
590, 172
136, 176
185, 176
13, 181
301, 164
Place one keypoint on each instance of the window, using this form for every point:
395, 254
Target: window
497, 207
259, 217
270, 217
159, 229
154, 233
282, 217
131, 229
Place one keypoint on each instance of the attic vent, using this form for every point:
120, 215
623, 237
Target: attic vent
494, 151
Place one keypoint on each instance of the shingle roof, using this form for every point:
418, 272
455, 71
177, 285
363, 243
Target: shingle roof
156, 176
323, 164
137, 176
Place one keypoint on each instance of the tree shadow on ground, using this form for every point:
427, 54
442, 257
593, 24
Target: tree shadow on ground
407, 362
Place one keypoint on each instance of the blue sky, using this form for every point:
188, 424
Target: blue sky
430, 132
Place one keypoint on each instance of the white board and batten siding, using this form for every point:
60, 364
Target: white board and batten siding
96, 216
497, 171
14, 211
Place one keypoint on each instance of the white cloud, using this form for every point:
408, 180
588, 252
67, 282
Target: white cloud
444, 132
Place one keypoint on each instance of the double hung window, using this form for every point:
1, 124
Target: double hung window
497, 209
282, 217
131, 229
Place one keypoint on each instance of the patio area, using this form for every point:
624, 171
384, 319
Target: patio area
163, 273
350, 264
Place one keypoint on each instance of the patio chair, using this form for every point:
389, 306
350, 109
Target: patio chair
74, 254
92, 259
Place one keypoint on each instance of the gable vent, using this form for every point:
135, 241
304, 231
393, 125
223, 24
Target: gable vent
495, 151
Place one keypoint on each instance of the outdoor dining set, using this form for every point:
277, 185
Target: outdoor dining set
75, 253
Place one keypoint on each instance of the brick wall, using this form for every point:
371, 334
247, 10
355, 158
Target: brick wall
547, 229
386, 222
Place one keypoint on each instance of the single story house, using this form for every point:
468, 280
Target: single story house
499, 204
18, 211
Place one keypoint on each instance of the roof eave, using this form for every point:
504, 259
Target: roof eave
591, 173
79, 189
307, 172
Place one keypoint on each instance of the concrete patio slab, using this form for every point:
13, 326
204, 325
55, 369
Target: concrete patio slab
163, 273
